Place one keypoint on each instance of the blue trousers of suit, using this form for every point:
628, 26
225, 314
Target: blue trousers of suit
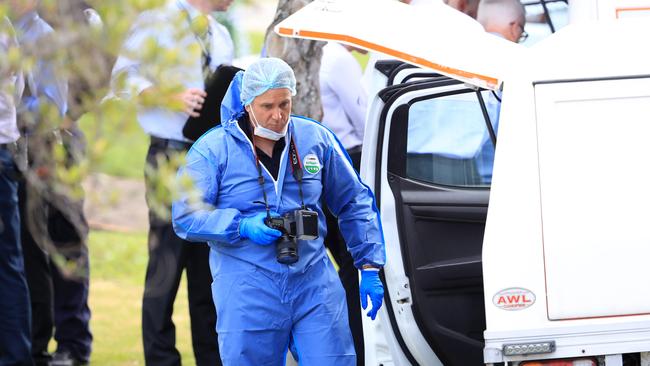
15, 325
260, 314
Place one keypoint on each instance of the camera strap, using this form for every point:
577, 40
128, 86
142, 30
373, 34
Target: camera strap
296, 170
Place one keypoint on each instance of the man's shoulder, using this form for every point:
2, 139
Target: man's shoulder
43, 26
39, 36
311, 127
211, 141
216, 132
38, 30
303, 122
218, 25
6, 33
157, 17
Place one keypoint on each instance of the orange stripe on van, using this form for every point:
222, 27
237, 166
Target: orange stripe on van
489, 81
619, 11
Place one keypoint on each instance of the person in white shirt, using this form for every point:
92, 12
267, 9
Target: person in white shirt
448, 140
344, 99
201, 44
15, 332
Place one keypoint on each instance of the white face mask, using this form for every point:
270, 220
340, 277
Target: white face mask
264, 132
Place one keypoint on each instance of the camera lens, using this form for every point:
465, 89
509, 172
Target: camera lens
286, 250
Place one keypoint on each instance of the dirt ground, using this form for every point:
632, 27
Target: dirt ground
115, 204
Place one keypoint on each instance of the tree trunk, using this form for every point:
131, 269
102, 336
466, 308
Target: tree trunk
303, 56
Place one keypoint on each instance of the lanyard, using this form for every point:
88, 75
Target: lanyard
204, 48
296, 170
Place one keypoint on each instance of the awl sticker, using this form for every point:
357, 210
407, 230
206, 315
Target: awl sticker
514, 298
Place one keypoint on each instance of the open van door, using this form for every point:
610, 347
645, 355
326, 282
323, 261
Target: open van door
433, 36
433, 200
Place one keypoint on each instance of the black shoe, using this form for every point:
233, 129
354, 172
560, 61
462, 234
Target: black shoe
64, 358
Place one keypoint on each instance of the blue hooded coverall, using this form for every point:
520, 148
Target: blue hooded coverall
262, 304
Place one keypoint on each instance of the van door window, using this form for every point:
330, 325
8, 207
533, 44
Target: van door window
448, 141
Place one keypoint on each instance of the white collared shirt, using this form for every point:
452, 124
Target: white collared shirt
11, 85
343, 98
169, 29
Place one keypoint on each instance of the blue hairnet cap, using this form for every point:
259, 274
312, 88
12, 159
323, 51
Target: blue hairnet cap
266, 74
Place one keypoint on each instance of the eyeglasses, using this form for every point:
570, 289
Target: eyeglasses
523, 36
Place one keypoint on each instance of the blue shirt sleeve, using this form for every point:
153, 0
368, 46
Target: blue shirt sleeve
354, 205
53, 85
47, 81
195, 217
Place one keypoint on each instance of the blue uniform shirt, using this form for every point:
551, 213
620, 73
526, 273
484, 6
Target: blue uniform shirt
46, 82
222, 166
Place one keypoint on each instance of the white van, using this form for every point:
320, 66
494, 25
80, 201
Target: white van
536, 253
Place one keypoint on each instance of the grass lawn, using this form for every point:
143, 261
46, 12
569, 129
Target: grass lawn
118, 263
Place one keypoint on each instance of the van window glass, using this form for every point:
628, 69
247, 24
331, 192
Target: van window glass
544, 26
448, 142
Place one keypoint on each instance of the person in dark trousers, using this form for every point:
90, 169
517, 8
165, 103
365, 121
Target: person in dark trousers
71, 311
53, 224
15, 327
185, 27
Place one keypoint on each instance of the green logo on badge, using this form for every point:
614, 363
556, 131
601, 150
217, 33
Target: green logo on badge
312, 165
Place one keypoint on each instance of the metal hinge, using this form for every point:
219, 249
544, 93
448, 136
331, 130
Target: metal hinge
403, 293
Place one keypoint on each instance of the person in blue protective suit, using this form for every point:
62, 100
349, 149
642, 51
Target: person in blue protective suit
266, 163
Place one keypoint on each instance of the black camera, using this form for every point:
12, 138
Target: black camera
296, 225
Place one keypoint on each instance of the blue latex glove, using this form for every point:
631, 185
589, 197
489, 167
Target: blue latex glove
255, 229
371, 286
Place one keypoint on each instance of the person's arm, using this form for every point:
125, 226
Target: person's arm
346, 83
195, 218
51, 83
130, 78
10, 75
354, 205
5, 70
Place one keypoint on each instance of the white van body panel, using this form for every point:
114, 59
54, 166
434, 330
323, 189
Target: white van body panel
593, 240
570, 163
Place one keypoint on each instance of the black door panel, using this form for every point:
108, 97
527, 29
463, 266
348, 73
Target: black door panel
441, 247
449, 213
466, 268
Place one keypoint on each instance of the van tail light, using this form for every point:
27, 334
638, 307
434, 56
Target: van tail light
567, 362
